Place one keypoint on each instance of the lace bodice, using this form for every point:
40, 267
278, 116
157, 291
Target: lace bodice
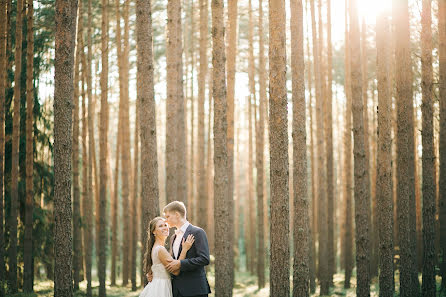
158, 269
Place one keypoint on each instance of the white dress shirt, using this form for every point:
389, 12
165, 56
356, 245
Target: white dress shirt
179, 233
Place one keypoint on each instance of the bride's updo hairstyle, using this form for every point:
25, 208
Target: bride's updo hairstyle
150, 243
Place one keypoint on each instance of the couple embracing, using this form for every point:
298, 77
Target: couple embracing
180, 272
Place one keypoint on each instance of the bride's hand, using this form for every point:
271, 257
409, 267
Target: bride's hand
187, 244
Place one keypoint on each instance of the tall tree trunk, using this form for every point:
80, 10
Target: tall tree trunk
429, 286
250, 252
329, 152
84, 204
191, 196
231, 54
75, 157
278, 137
261, 155
147, 118
322, 205
223, 242
405, 151
252, 100
301, 234
103, 133
210, 171
66, 12
418, 211
202, 208
384, 179
114, 203
180, 157
3, 76
365, 83
172, 101
135, 192
348, 249
28, 247
91, 151
442, 144
125, 153
13, 286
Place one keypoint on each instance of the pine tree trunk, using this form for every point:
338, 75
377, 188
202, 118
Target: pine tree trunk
329, 152
278, 137
180, 157
125, 153
13, 286
442, 144
409, 285
114, 204
103, 133
223, 242
365, 84
301, 234
3, 63
86, 174
384, 179
77, 235
361, 182
147, 118
252, 98
91, 152
210, 171
202, 208
261, 155
171, 102
231, 53
84, 204
66, 12
418, 211
348, 240
429, 286
135, 192
28, 247
321, 181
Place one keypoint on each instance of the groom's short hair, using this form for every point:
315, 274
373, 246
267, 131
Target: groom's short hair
176, 206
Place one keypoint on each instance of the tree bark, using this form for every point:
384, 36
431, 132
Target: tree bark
147, 118
135, 192
125, 153
278, 137
261, 155
66, 12
28, 247
348, 250
3, 63
442, 144
409, 285
223, 242
231, 54
103, 133
202, 208
15, 153
77, 235
329, 153
384, 179
429, 286
301, 234
362, 181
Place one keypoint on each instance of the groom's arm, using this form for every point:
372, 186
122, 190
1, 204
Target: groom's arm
202, 250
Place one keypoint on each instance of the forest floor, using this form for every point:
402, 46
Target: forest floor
245, 286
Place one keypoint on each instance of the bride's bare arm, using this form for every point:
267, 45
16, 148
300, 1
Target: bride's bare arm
166, 258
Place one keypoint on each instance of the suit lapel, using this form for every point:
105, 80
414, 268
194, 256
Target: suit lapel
188, 230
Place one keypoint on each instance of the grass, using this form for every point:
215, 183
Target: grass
245, 286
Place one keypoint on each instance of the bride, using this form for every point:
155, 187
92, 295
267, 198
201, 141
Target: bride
157, 257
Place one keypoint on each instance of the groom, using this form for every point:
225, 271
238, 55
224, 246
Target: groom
191, 280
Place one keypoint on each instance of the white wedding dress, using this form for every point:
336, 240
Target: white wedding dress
160, 286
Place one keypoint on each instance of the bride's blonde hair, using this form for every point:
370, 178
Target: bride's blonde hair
149, 245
